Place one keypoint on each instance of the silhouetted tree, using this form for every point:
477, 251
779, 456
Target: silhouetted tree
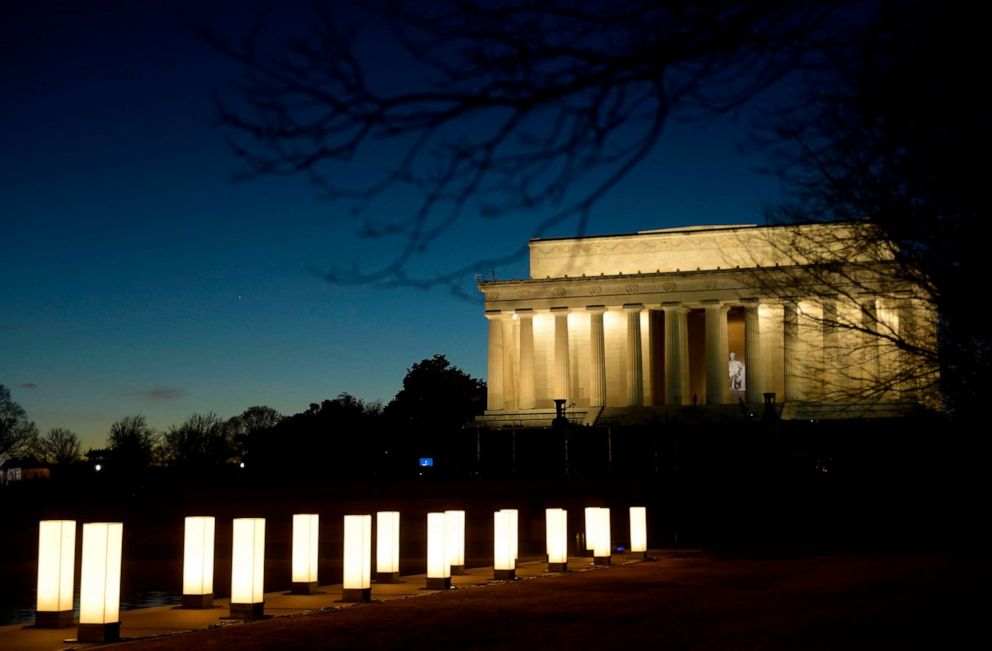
60, 446
131, 444
250, 424
437, 395
202, 440
498, 108
17, 433
428, 414
337, 436
888, 141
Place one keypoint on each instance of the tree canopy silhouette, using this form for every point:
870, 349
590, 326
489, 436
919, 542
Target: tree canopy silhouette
436, 396
17, 433
888, 140
60, 446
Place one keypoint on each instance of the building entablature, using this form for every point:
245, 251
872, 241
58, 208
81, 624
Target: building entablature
691, 288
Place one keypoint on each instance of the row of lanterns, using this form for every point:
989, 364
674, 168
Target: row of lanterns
99, 600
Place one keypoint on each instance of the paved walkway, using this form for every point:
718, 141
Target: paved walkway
168, 620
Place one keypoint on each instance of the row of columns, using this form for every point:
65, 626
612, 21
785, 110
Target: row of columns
825, 347
676, 357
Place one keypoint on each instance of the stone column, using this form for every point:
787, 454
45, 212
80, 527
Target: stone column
525, 385
752, 353
871, 369
790, 329
717, 376
676, 354
834, 374
597, 357
635, 372
908, 365
647, 355
563, 377
495, 399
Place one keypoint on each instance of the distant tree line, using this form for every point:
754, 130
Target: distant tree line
345, 435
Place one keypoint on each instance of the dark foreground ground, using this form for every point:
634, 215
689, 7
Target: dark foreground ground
879, 599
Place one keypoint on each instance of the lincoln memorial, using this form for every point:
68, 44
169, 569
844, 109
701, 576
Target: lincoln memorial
811, 320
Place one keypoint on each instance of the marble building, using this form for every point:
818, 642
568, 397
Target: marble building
720, 318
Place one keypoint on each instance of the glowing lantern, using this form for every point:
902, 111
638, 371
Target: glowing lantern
198, 563
248, 568
438, 570
601, 546
556, 531
504, 542
638, 531
100, 584
56, 562
357, 585
454, 522
306, 530
513, 527
387, 547
590, 529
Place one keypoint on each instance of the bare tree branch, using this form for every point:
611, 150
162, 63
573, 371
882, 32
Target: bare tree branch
507, 108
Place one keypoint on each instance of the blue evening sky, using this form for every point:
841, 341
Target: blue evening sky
139, 278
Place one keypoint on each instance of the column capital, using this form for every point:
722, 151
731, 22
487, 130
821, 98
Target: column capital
524, 312
633, 307
559, 310
595, 309
496, 315
751, 301
715, 304
675, 307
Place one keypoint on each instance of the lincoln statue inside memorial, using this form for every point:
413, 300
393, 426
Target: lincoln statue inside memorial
716, 318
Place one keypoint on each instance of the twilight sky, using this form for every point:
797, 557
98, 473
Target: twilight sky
138, 277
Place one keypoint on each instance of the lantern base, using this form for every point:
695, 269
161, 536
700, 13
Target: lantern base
558, 567
248, 611
602, 560
387, 577
457, 570
504, 575
356, 595
198, 601
99, 632
53, 618
434, 583
304, 587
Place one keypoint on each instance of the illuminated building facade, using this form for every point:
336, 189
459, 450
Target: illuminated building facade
624, 326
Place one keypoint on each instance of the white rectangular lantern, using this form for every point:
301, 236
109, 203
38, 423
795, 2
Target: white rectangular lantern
454, 522
514, 526
590, 514
438, 570
601, 546
504, 541
56, 563
357, 584
306, 530
556, 532
248, 568
387, 546
198, 562
100, 584
638, 530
